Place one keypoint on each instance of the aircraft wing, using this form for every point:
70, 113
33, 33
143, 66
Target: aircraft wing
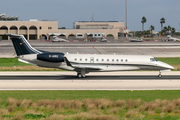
62, 40
176, 39
81, 66
86, 67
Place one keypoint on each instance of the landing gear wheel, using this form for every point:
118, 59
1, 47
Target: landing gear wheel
79, 75
159, 75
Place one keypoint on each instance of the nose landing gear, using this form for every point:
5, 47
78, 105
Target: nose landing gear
159, 74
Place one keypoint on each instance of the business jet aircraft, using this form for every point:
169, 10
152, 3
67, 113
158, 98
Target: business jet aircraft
56, 39
135, 40
172, 38
84, 63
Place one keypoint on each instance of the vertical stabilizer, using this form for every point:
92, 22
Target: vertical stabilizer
22, 46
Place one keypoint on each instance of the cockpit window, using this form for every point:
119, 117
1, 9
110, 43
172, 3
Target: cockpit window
153, 59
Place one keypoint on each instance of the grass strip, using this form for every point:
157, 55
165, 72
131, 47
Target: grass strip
92, 108
93, 94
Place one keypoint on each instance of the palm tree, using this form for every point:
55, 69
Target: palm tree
165, 29
169, 28
151, 28
173, 30
143, 21
162, 20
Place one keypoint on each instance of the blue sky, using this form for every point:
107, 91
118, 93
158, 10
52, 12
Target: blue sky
69, 11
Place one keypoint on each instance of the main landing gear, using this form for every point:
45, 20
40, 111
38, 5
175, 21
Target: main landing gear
159, 74
79, 75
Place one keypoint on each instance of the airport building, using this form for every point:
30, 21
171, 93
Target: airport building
36, 30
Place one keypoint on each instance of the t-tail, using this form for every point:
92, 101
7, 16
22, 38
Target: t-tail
26, 53
22, 46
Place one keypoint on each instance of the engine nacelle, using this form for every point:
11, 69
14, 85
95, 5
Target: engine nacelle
51, 57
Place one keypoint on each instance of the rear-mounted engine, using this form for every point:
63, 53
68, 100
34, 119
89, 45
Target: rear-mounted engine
51, 57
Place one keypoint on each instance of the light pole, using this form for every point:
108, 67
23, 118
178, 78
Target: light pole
126, 20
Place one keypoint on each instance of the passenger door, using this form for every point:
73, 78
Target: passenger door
91, 59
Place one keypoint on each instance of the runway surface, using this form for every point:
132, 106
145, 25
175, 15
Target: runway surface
136, 80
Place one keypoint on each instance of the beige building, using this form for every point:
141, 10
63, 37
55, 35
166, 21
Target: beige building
35, 29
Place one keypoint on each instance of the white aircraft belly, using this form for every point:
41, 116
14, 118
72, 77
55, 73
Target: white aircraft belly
119, 68
92, 67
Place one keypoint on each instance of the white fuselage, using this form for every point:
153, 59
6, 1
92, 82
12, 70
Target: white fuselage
56, 39
83, 63
97, 63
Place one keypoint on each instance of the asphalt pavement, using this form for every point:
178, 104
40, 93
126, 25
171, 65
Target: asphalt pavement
131, 80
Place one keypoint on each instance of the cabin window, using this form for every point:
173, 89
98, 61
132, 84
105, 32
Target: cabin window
107, 59
117, 60
80, 59
126, 60
121, 60
102, 59
96, 59
113, 60
153, 59
75, 59
86, 59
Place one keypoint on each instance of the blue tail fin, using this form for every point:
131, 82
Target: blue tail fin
21, 45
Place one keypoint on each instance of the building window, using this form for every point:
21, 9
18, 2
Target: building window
40, 27
49, 28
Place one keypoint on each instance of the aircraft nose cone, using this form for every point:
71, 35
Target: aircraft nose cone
167, 66
171, 67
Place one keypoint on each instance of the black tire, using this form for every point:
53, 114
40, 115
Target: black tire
159, 75
79, 75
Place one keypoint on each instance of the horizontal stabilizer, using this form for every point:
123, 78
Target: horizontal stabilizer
20, 60
13, 35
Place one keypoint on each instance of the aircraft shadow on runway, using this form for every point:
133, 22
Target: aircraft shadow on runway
72, 77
